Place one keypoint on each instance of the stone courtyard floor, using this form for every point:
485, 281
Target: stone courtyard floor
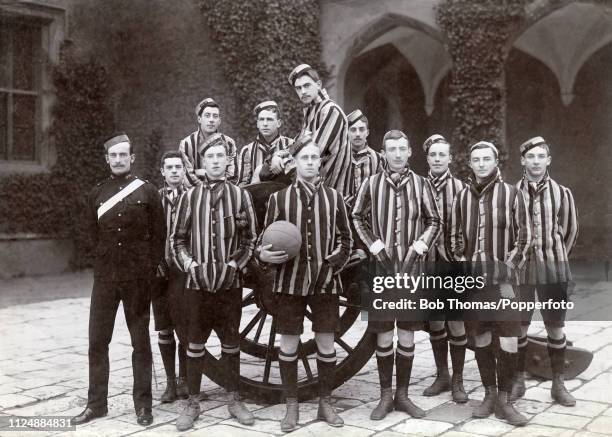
43, 372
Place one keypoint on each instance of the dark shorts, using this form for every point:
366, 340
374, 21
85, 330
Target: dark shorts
220, 311
503, 323
379, 326
556, 292
168, 299
291, 309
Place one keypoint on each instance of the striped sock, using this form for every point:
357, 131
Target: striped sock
556, 352
326, 366
384, 360
288, 369
404, 357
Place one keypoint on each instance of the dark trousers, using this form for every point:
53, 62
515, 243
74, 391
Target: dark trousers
105, 299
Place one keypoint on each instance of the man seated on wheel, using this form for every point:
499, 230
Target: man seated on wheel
395, 216
311, 278
212, 240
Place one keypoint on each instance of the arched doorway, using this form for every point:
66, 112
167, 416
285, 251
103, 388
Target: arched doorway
398, 80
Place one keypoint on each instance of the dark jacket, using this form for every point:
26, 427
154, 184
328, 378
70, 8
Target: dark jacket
128, 240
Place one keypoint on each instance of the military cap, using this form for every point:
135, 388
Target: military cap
300, 142
205, 103
434, 139
264, 105
354, 117
300, 70
116, 138
531, 143
481, 144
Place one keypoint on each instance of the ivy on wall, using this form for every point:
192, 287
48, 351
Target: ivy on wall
259, 42
53, 203
478, 35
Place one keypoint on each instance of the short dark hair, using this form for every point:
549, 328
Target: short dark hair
274, 109
394, 134
170, 154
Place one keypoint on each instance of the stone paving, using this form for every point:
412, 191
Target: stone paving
43, 372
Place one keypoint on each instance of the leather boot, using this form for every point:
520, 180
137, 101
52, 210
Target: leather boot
169, 394
459, 394
487, 406
440, 384
518, 386
385, 405
237, 409
190, 414
327, 413
504, 409
182, 391
559, 393
292, 416
403, 403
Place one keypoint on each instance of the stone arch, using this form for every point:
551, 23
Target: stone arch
374, 30
564, 53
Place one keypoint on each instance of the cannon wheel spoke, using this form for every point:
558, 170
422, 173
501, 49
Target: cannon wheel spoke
269, 353
252, 323
305, 362
262, 321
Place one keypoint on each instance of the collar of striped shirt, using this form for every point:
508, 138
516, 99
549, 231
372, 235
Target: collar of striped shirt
268, 146
322, 95
306, 189
395, 178
439, 181
533, 187
365, 152
481, 188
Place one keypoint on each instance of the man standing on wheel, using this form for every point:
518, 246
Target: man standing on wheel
395, 216
311, 278
326, 122
270, 147
212, 240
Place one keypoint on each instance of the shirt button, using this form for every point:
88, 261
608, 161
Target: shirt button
309, 234
121, 188
309, 258
436, 244
309, 221
119, 244
214, 222
119, 215
309, 208
437, 197
118, 229
397, 219
396, 244
310, 246
214, 235
536, 212
214, 247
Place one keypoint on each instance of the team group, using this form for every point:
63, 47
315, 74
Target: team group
349, 202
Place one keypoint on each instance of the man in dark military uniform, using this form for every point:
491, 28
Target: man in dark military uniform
127, 227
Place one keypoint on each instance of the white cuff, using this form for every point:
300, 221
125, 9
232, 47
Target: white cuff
376, 247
